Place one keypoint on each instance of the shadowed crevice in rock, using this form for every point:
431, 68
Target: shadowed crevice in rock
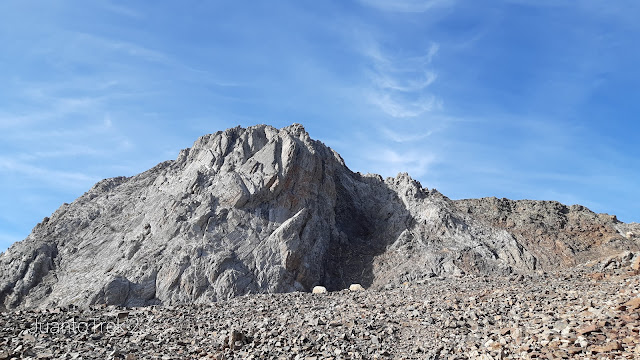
363, 232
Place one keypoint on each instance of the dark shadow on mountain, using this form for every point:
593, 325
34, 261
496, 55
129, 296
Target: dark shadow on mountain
364, 229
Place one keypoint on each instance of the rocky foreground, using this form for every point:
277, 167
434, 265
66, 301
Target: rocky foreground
588, 312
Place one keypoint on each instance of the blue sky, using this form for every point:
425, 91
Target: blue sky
508, 98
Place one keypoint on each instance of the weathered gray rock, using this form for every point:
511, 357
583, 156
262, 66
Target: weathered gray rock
554, 233
264, 210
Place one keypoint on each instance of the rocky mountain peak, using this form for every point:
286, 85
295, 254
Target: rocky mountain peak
260, 209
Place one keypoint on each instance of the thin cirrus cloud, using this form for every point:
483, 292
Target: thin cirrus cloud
407, 6
58, 178
399, 83
124, 68
164, 60
404, 137
404, 106
121, 10
47, 108
390, 162
116, 46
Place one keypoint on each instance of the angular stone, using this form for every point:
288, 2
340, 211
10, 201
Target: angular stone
608, 347
633, 304
319, 290
587, 329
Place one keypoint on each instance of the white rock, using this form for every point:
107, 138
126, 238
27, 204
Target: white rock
319, 290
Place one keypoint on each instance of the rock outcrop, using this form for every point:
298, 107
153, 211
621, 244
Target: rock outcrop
265, 210
555, 233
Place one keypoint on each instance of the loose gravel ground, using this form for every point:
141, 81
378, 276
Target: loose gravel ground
583, 313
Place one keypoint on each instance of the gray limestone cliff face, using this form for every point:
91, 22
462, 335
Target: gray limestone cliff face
271, 210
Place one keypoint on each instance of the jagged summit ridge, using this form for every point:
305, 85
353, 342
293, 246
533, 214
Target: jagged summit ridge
260, 209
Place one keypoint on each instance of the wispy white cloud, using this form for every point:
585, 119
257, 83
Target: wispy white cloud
399, 83
120, 62
404, 137
387, 82
115, 48
407, 6
121, 10
60, 151
120, 46
391, 162
399, 106
64, 179
42, 105
108, 123
433, 50
46, 107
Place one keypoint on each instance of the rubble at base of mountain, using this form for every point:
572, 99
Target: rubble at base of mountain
585, 312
